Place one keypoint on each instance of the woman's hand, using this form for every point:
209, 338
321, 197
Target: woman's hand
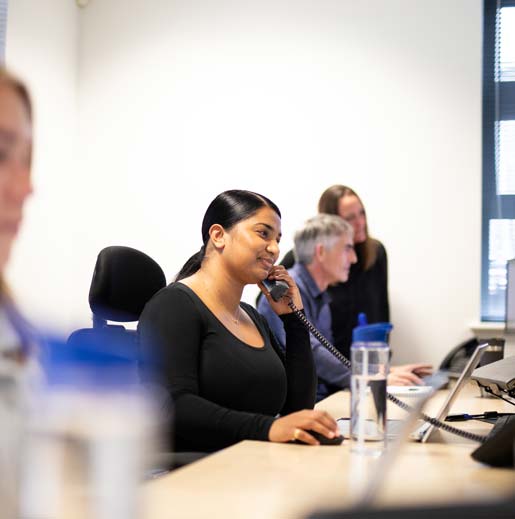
408, 374
278, 272
295, 426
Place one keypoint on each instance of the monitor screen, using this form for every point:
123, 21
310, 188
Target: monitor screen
510, 297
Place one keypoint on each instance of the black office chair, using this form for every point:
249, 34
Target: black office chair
123, 282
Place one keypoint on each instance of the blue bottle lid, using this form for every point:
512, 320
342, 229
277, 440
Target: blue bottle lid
377, 332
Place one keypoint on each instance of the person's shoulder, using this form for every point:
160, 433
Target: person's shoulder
172, 290
296, 270
380, 248
261, 314
303, 278
174, 294
262, 305
251, 310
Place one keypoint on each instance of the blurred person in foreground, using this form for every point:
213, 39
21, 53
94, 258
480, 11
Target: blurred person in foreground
15, 187
17, 363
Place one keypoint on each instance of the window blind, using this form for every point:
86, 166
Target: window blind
498, 218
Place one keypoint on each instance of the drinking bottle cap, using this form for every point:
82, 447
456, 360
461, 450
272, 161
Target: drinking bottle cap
377, 332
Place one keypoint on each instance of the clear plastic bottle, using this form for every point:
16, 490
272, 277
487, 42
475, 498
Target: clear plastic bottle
370, 356
11, 422
18, 373
90, 433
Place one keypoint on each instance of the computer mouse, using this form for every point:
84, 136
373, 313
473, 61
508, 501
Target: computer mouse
323, 440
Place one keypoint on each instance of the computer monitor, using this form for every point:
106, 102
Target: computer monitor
509, 329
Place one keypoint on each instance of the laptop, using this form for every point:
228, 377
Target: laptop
424, 431
498, 378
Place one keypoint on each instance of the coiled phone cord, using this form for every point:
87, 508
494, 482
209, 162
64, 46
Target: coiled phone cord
433, 421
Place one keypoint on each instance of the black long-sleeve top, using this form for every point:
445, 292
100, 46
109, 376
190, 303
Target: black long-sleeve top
364, 291
222, 389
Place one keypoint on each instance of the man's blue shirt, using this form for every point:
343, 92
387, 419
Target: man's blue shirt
330, 371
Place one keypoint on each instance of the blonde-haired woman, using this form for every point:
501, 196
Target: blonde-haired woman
367, 287
366, 290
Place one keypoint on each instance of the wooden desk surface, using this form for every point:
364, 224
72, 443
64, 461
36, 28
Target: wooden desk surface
261, 479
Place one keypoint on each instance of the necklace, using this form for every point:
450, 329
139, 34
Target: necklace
236, 318
226, 315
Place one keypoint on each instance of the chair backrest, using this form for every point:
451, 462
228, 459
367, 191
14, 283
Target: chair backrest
123, 281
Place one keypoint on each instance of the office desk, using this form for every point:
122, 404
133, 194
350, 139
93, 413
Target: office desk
269, 480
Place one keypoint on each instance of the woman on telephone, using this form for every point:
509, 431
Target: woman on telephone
226, 374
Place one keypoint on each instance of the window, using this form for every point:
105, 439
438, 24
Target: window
498, 233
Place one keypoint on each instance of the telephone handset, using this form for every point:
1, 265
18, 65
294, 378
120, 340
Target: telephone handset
276, 288
489, 443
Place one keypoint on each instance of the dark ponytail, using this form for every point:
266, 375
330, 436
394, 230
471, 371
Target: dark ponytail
192, 265
227, 209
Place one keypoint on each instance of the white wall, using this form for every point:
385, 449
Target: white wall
179, 100
42, 47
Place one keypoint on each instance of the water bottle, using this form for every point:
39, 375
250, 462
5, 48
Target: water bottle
11, 423
90, 432
370, 364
